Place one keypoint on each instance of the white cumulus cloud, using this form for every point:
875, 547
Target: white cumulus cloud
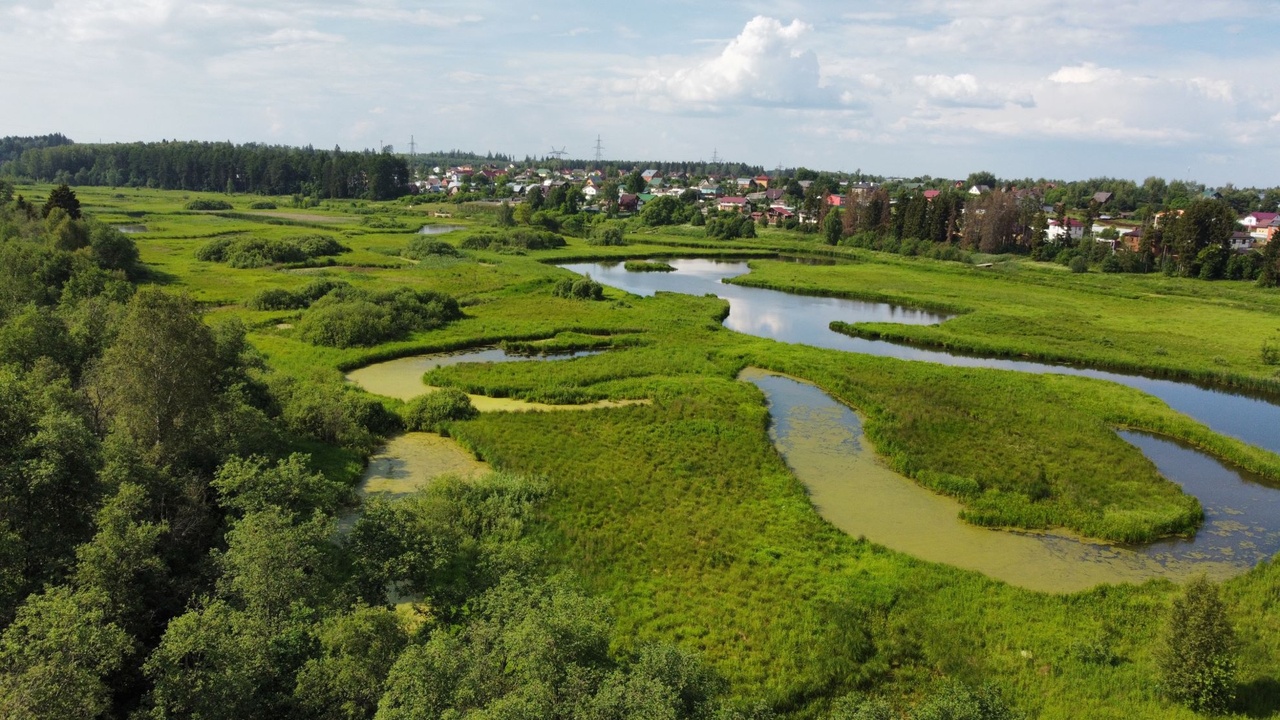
965, 90
1084, 74
766, 64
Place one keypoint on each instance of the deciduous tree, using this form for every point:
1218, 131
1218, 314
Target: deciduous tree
1197, 663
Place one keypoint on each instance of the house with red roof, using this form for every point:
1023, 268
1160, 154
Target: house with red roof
1261, 226
931, 194
732, 203
1074, 230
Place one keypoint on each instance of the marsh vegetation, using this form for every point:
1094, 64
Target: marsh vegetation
182, 438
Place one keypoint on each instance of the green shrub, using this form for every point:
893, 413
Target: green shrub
421, 248
641, 266
607, 234
317, 289
112, 249
525, 239
1197, 663
262, 205
427, 412
208, 205
348, 324
1270, 353
583, 288
346, 317
276, 299
254, 252
1078, 264
730, 226
333, 412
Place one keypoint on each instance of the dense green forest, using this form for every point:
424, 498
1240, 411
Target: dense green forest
212, 166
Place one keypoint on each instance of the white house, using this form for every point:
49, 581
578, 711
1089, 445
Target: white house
1074, 230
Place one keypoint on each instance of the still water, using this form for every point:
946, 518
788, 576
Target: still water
823, 443
806, 320
438, 229
402, 379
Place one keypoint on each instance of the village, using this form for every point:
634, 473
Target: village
787, 202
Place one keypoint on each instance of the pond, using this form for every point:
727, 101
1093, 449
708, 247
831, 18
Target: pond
438, 229
402, 379
822, 442
806, 320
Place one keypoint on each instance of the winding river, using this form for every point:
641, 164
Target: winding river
806, 320
822, 441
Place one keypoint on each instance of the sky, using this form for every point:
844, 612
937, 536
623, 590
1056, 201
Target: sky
1069, 89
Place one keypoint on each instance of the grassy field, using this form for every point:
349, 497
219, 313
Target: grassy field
684, 518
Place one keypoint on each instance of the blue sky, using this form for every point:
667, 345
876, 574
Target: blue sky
1039, 88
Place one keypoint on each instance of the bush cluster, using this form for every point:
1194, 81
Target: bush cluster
730, 226
521, 239
426, 413
253, 252
281, 299
262, 205
910, 247
643, 266
607, 234
208, 205
350, 317
328, 410
420, 248
583, 288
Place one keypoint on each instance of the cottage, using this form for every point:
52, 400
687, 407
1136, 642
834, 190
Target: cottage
1261, 226
1073, 230
1241, 242
737, 204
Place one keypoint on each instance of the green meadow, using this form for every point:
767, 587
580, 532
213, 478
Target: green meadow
684, 519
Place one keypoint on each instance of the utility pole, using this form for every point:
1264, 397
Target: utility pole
715, 156
413, 148
599, 150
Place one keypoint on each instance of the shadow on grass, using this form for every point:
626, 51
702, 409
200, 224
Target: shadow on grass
149, 274
1259, 698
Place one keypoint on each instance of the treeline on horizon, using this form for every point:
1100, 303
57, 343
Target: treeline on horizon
337, 174
209, 167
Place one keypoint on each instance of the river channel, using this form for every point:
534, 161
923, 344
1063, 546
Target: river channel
822, 441
806, 320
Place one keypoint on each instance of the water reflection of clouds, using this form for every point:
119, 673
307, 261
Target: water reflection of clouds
806, 319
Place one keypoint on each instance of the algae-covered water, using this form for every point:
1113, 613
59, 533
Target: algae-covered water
822, 441
402, 379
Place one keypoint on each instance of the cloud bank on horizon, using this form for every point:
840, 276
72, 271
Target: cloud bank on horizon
1024, 88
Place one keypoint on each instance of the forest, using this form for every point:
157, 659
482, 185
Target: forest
209, 166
